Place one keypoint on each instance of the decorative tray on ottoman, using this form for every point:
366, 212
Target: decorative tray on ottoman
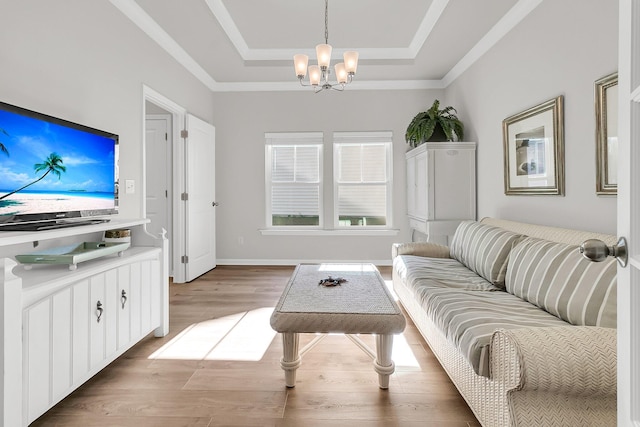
72, 254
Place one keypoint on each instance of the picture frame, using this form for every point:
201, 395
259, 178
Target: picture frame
534, 150
606, 109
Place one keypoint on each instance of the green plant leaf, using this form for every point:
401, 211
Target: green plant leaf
424, 124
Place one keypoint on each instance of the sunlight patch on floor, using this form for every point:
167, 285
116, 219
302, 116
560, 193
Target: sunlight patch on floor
389, 284
402, 354
242, 336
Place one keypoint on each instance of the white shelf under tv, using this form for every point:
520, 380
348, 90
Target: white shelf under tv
8, 238
51, 322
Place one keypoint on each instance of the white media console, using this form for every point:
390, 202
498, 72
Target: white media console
61, 327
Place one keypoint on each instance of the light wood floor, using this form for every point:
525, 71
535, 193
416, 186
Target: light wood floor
180, 380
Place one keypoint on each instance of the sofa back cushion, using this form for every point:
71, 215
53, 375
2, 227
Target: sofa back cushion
558, 279
483, 249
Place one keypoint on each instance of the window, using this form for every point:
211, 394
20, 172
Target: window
362, 179
294, 180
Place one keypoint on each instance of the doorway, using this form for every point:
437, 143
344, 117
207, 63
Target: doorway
162, 171
179, 184
159, 180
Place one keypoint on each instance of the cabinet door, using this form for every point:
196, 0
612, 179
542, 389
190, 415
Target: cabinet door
61, 364
417, 186
145, 297
99, 310
82, 310
453, 172
422, 186
134, 301
112, 301
411, 186
124, 307
157, 287
37, 358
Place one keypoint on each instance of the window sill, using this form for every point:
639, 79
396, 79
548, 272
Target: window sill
319, 232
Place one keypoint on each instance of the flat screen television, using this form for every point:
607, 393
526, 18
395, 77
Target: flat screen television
54, 173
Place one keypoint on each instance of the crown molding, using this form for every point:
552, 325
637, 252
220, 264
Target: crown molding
229, 26
512, 18
426, 26
141, 19
135, 13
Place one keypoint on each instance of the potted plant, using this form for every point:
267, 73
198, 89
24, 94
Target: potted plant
434, 125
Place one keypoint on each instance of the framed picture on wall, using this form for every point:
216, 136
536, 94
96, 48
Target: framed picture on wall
606, 103
534, 150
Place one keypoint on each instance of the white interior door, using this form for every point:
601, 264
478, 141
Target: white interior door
159, 176
200, 198
629, 213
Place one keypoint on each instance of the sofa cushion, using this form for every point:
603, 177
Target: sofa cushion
468, 319
483, 249
558, 279
417, 272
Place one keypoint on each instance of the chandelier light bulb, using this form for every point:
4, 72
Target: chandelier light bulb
351, 61
314, 75
300, 62
341, 73
323, 52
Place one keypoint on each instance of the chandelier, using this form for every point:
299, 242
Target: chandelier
319, 74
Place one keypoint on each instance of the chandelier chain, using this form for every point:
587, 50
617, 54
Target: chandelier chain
326, 21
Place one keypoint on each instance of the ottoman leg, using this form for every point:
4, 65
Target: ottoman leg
290, 357
383, 364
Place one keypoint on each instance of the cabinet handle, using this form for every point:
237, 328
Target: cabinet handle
99, 310
123, 298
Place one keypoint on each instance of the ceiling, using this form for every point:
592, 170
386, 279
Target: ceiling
248, 45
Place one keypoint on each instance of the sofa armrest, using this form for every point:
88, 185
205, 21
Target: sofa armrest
426, 249
570, 360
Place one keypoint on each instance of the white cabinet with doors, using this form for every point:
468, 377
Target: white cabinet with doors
441, 188
62, 327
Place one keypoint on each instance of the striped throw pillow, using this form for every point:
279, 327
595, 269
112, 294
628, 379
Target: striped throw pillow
558, 279
483, 249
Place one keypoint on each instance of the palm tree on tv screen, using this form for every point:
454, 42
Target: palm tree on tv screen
3, 149
53, 164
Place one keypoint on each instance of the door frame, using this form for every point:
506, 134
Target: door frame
178, 114
628, 224
167, 118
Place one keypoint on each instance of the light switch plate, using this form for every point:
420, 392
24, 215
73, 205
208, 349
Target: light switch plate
130, 186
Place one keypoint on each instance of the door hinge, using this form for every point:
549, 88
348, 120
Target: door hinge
184, 133
166, 194
184, 259
166, 136
184, 196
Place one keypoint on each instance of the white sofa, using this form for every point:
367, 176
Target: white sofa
521, 322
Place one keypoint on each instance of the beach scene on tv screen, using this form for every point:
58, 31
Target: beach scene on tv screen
47, 168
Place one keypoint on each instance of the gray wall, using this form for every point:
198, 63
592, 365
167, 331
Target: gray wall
241, 119
561, 48
84, 61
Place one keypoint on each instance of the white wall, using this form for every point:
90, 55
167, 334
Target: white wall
561, 48
84, 61
241, 119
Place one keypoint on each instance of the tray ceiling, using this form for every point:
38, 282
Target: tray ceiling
240, 45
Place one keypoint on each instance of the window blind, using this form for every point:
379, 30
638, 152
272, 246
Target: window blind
294, 179
362, 178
